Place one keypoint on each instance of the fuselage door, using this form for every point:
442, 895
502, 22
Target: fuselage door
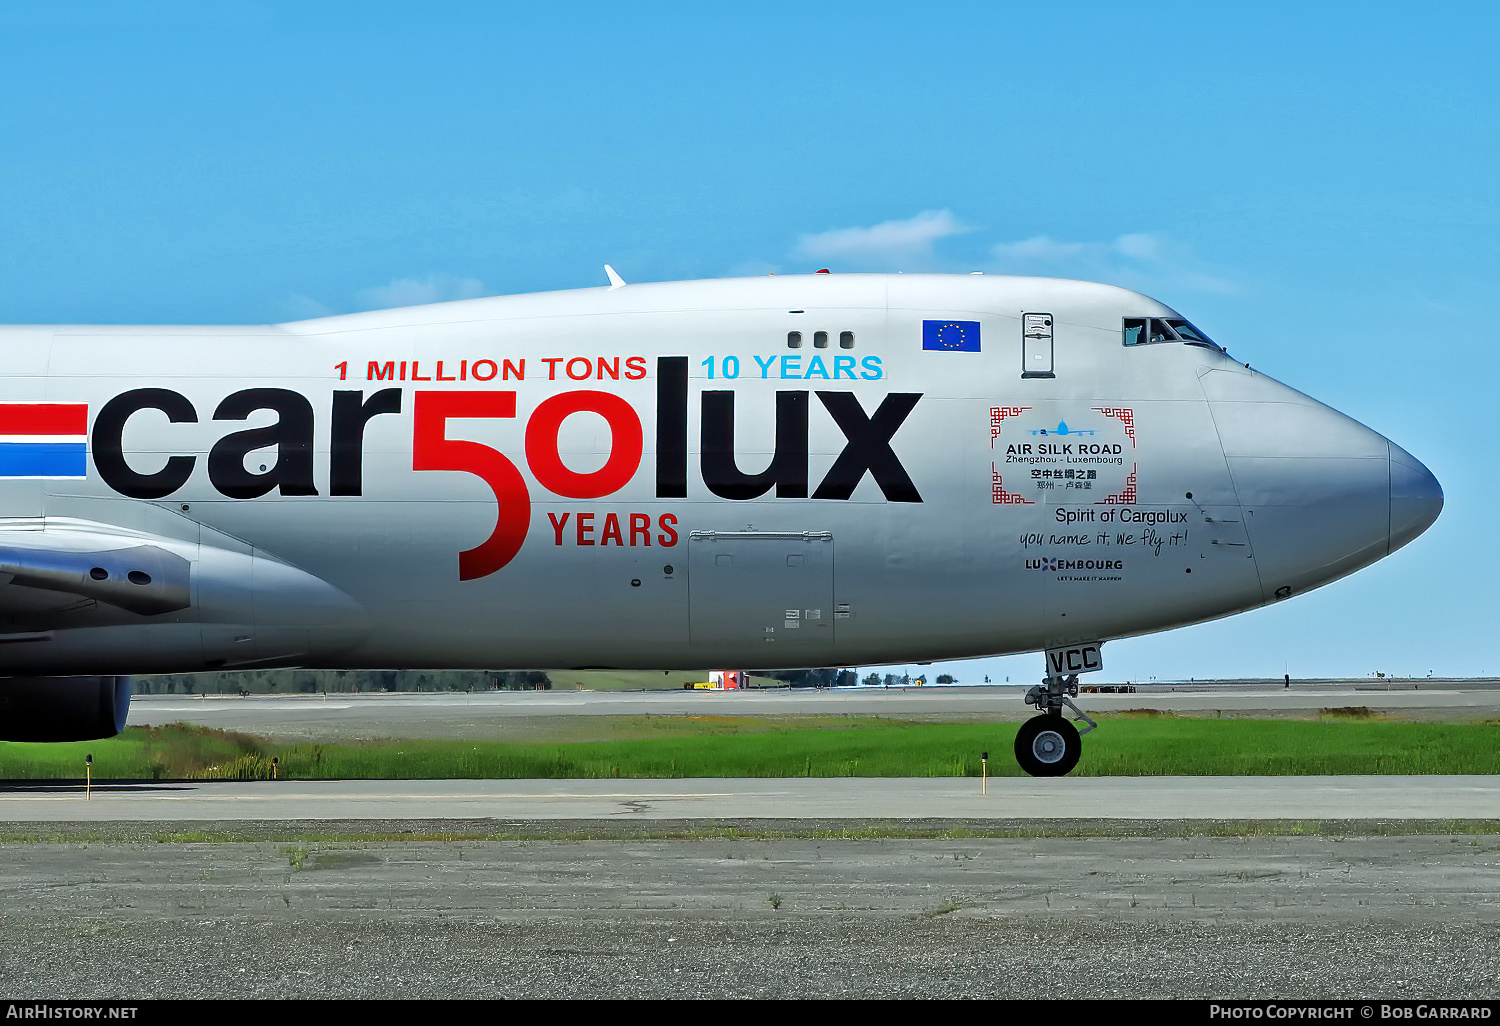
1036, 345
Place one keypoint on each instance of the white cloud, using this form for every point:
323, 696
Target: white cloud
889, 243
1140, 246
435, 288
1147, 261
298, 307
1039, 249
1136, 260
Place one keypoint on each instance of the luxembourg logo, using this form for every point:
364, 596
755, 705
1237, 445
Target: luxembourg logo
43, 440
1053, 565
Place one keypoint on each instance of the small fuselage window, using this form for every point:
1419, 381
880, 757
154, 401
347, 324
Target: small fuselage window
820, 339
1140, 331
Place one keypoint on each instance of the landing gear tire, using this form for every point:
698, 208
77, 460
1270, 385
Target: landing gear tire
1048, 746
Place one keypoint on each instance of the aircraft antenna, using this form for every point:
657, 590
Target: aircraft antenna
615, 281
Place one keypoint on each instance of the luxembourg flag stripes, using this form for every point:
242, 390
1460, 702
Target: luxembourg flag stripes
44, 440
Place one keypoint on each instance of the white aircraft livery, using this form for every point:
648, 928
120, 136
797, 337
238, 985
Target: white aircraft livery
787, 471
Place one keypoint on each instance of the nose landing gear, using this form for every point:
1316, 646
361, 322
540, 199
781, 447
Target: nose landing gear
1048, 745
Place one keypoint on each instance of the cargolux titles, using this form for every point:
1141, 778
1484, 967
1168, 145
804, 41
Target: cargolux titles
867, 448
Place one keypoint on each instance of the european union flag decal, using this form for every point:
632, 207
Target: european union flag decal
951, 336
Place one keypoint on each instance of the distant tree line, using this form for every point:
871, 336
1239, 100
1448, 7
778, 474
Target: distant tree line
904, 680
822, 678
291, 682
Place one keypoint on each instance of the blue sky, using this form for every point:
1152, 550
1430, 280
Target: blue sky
1315, 185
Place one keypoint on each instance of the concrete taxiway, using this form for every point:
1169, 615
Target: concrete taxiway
510, 714
814, 798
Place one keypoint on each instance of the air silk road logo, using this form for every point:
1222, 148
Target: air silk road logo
867, 448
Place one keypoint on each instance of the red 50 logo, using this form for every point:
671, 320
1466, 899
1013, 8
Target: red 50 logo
432, 449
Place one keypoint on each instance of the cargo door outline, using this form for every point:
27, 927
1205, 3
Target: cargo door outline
768, 592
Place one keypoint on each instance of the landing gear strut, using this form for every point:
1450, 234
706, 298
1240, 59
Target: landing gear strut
1048, 745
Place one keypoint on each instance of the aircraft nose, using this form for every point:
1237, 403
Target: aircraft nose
1416, 497
1322, 494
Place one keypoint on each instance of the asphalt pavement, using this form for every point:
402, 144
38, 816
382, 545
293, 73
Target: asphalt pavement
1351, 918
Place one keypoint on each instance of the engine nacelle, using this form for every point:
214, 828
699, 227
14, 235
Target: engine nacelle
63, 708
82, 597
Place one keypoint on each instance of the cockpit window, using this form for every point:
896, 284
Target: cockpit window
1150, 330
1188, 333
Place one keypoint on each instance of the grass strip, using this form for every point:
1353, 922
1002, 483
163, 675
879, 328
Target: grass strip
1125, 745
